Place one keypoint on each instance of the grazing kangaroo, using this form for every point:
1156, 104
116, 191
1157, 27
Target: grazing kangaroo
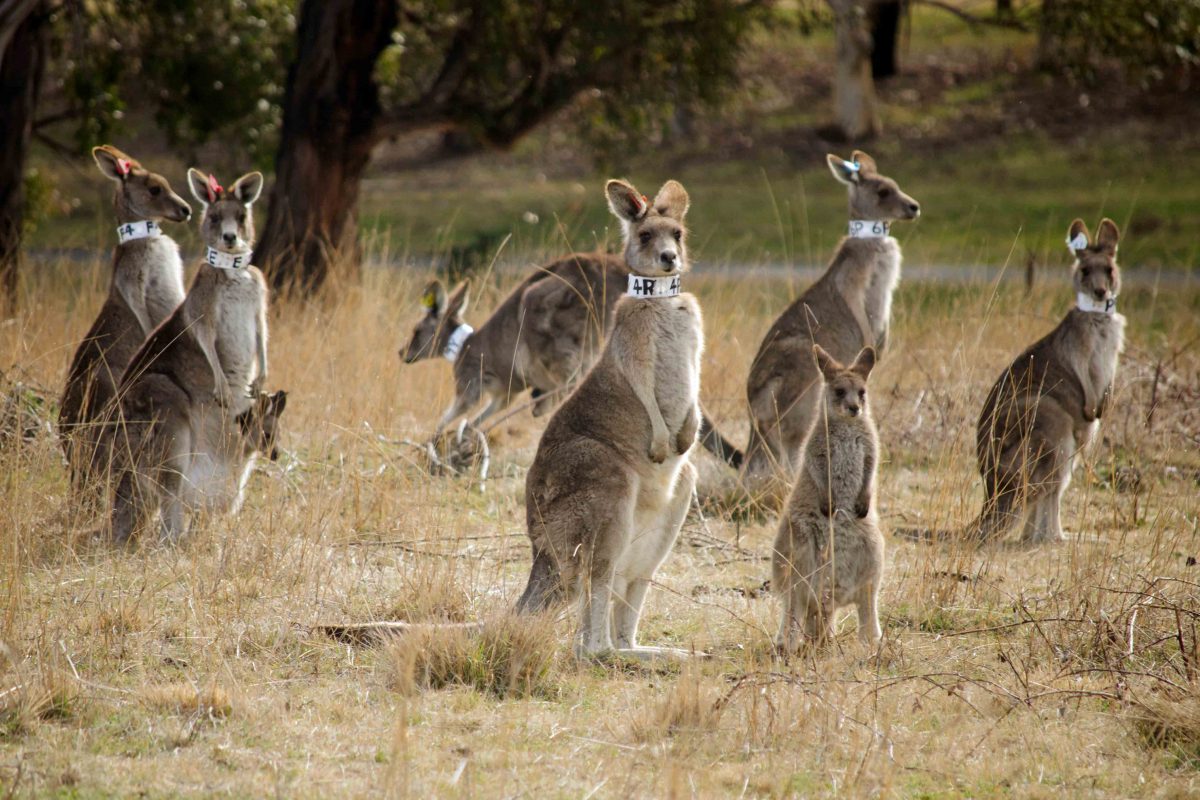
543, 336
146, 286
208, 358
611, 482
1047, 405
829, 551
848, 308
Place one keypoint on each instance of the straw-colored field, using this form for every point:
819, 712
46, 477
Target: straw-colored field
1068, 671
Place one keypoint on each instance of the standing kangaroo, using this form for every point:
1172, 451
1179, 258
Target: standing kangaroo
196, 373
829, 551
611, 482
543, 336
146, 286
848, 308
1047, 405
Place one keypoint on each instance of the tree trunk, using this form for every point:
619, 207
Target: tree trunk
20, 77
331, 116
885, 33
853, 88
1049, 39
1004, 8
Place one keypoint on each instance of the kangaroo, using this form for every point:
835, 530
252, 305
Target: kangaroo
543, 336
146, 286
1046, 407
611, 482
211, 351
848, 308
829, 551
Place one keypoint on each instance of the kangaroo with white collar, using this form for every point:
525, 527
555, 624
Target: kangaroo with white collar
147, 285
848, 308
542, 337
611, 482
197, 371
1046, 407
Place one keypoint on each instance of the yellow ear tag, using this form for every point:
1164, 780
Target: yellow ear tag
429, 301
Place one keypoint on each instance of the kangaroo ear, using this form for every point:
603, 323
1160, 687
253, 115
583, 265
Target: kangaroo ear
456, 306
1107, 235
113, 163
845, 171
865, 162
198, 185
672, 200
828, 365
278, 402
626, 202
1078, 237
248, 187
864, 363
433, 297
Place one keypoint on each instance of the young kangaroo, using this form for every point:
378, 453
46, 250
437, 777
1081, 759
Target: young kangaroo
611, 482
213, 349
147, 285
543, 336
848, 308
829, 551
1047, 405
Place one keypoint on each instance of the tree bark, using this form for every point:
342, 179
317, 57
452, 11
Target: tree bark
853, 89
885, 34
331, 114
20, 77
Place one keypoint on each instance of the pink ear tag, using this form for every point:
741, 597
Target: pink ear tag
214, 188
123, 167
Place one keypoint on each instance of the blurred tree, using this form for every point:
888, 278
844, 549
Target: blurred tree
22, 54
1153, 39
853, 87
369, 70
885, 35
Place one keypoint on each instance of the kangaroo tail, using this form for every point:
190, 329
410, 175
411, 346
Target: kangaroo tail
544, 588
718, 445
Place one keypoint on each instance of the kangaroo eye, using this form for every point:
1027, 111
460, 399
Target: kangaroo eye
841, 393
644, 237
241, 217
862, 394
884, 194
678, 235
155, 191
1085, 272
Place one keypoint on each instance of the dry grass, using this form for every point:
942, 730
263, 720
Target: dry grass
1066, 671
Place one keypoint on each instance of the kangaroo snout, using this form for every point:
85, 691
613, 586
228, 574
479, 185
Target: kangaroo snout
668, 258
183, 212
230, 238
914, 209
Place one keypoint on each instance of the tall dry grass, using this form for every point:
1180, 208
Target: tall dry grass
1069, 670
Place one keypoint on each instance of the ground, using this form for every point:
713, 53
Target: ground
1004, 671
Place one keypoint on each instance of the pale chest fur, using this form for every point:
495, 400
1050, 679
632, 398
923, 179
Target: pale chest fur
841, 455
219, 466
882, 279
237, 316
149, 277
1098, 339
675, 327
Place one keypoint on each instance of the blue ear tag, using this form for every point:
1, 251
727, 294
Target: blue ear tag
853, 166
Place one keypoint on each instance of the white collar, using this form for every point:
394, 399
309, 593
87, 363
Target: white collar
641, 286
1085, 302
143, 229
868, 229
222, 260
455, 343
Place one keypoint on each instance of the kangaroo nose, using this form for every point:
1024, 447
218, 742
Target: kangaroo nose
229, 238
1100, 293
914, 209
853, 410
667, 258
187, 212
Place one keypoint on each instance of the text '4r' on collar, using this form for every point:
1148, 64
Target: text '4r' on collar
641, 286
143, 229
868, 229
220, 260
